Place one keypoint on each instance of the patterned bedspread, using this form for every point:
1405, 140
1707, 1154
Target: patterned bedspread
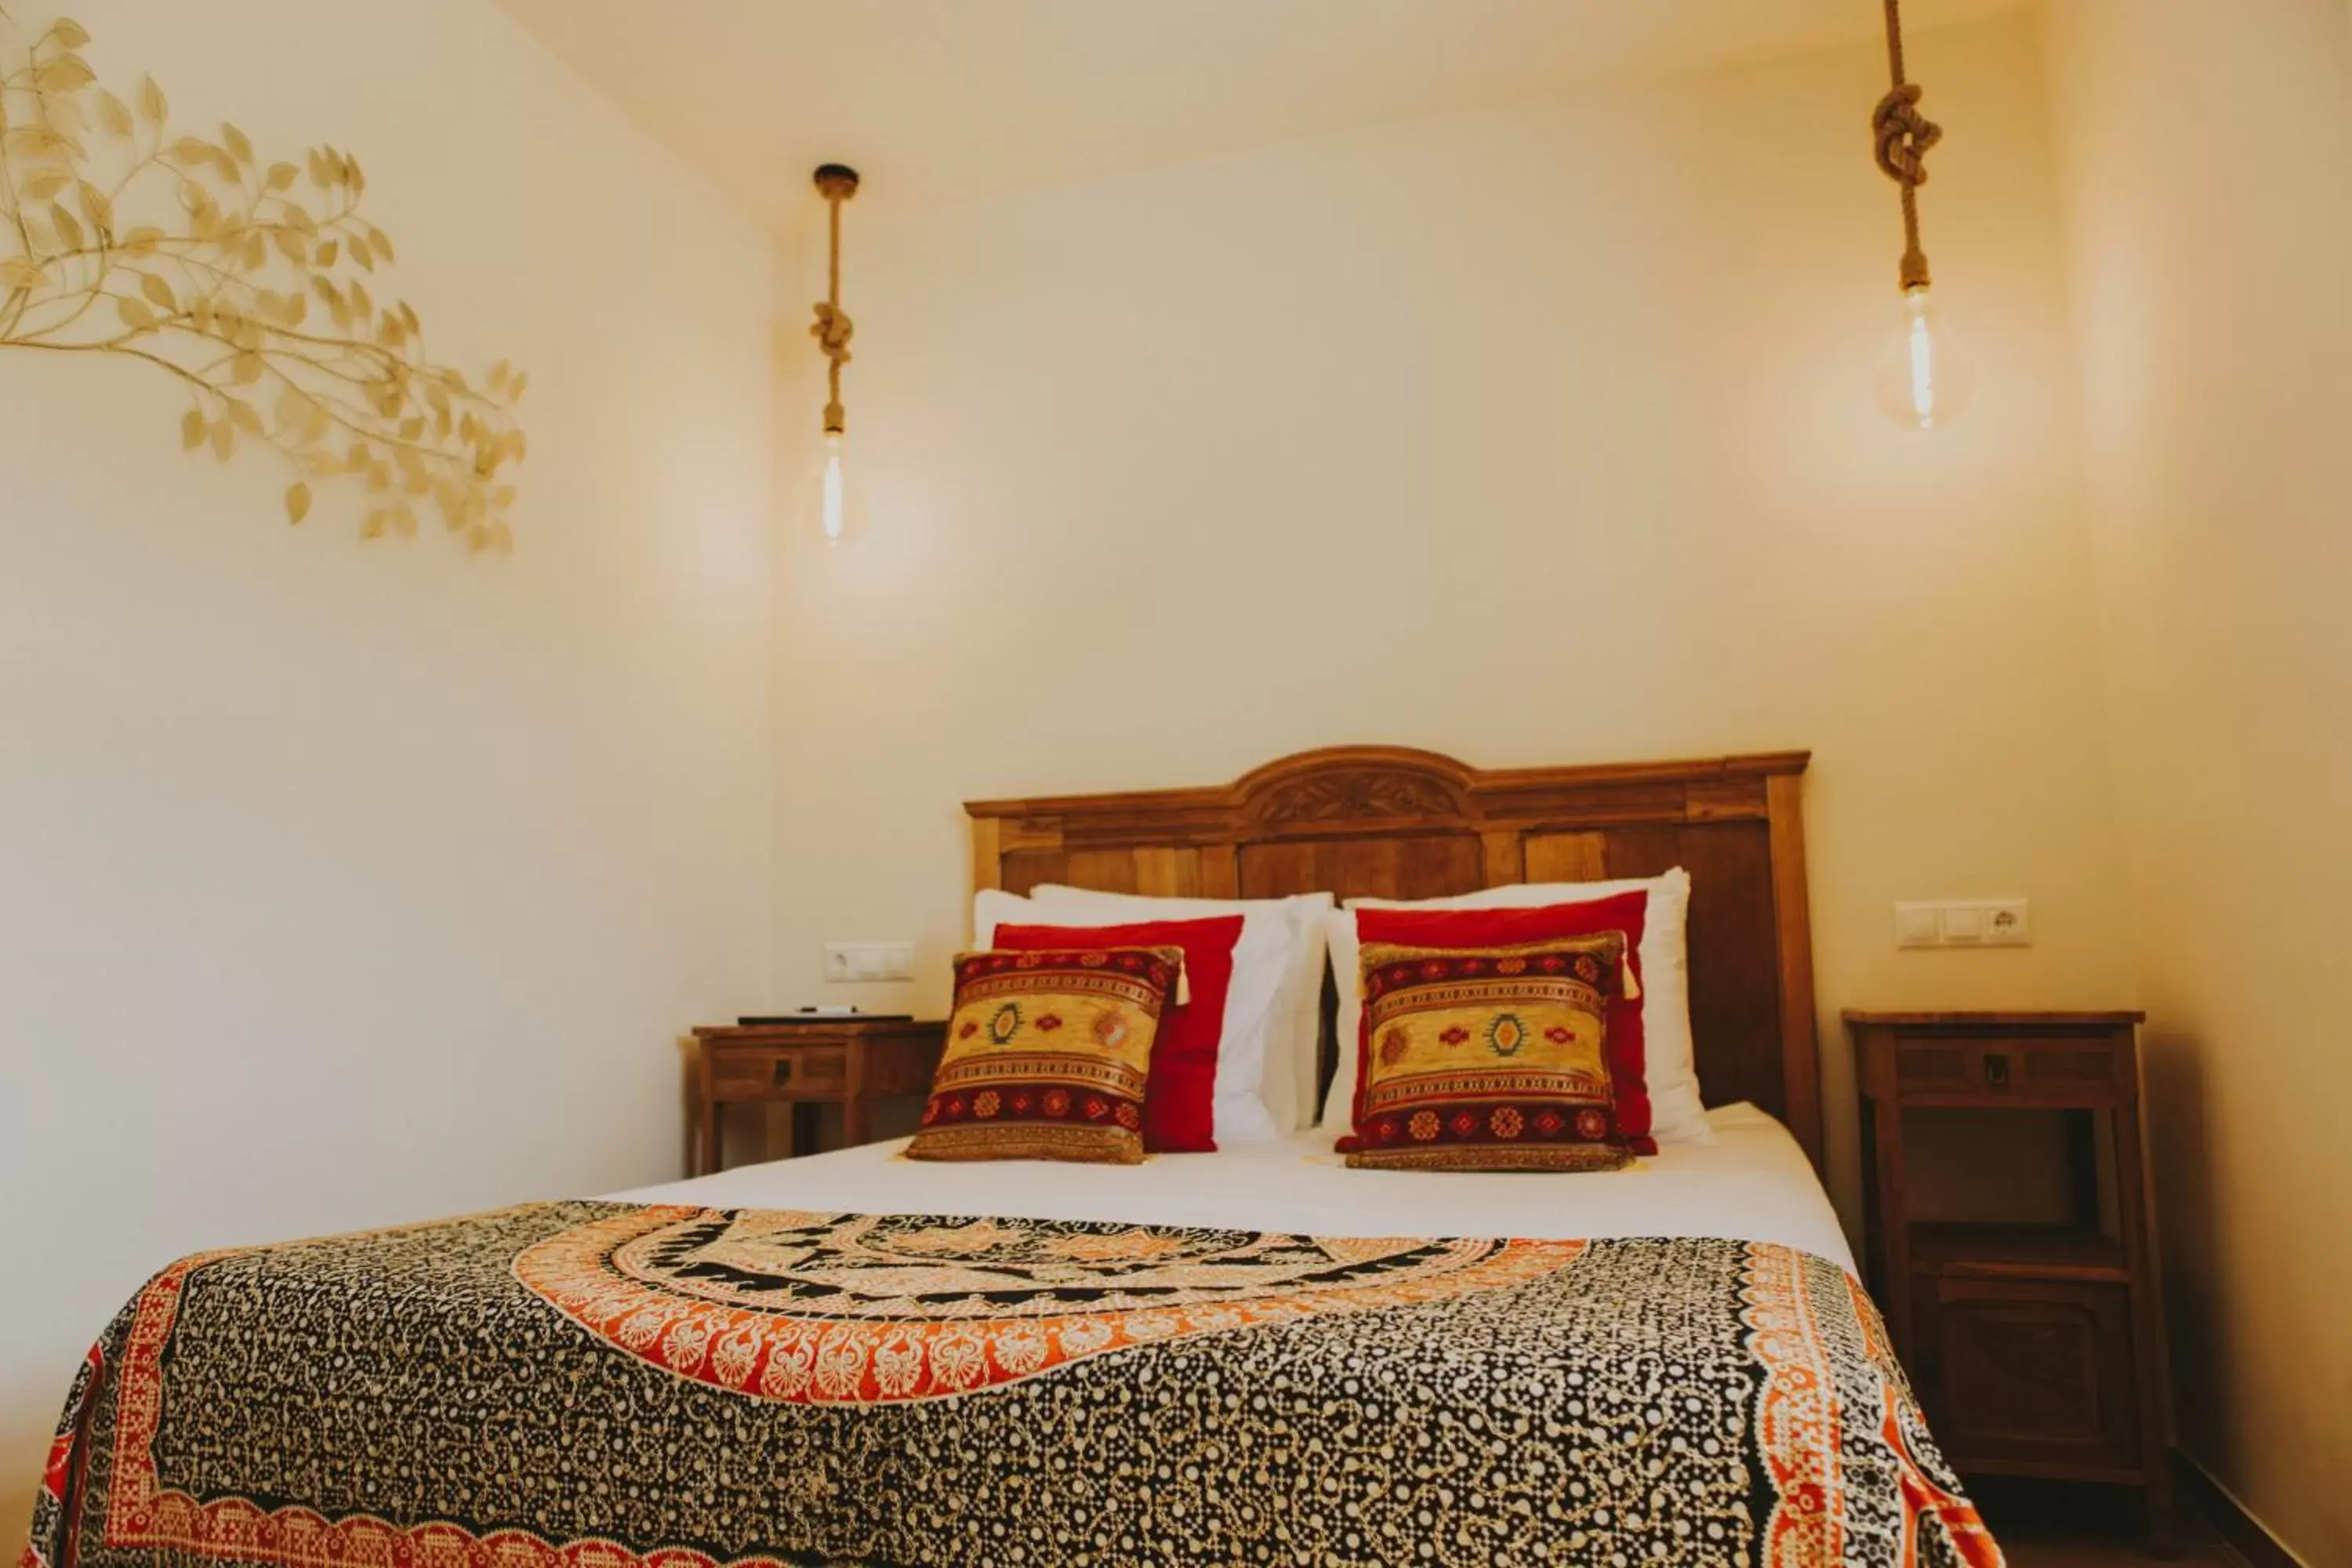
614, 1385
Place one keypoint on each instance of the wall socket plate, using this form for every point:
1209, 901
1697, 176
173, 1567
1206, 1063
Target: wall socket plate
1964, 922
856, 963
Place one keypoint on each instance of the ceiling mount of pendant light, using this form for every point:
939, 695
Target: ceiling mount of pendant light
1924, 380
836, 183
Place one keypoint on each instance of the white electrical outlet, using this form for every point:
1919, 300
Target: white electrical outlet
857, 962
1964, 922
2007, 923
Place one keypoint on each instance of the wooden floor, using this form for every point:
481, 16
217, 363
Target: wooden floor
2083, 1527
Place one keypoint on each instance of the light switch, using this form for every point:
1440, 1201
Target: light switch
1964, 925
857, 962
1918, 925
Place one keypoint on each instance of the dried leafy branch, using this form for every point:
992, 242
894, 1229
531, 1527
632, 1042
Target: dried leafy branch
256, 302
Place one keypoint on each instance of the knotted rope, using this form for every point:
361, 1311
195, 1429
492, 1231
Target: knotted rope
1902, 136
833, 328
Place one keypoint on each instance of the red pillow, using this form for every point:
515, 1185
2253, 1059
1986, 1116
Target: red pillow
1629, 1088
1179, 1096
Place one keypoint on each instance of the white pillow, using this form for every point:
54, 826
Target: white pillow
1285, 935
1676, 1113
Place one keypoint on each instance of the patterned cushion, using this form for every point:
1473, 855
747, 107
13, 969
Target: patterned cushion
1506, 927
1047, 1054
1179, 1112
1489, 1058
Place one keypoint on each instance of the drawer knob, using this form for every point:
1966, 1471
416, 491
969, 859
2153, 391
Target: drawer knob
784, 1070
1996, 1070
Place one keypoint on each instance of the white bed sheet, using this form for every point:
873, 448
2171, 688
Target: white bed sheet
1751, 1183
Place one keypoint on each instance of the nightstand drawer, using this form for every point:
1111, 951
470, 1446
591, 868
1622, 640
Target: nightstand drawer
796, 1069
2091, 1070
2033, 1373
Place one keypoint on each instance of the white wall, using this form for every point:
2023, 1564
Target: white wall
341, 884
2208, 194
1535, 435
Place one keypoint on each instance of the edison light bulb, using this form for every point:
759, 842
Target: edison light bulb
832, 487
1925, 379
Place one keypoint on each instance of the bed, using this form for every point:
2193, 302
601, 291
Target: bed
1253, 1356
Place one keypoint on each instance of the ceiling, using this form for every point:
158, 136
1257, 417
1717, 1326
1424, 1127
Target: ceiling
940, 99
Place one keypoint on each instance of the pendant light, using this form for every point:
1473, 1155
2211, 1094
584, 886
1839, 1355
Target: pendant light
836, 183
1923, 378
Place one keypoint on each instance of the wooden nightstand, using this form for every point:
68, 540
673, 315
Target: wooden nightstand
844, 1062
2009, 1230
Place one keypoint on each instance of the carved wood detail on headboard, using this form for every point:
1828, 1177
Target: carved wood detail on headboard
1391, 822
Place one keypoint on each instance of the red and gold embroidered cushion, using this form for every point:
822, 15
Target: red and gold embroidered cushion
1179, 1112
1489, 1058
1048, 1054
1628, 912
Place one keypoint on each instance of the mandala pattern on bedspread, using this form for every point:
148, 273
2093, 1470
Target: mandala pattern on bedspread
862, 1308
606, 1385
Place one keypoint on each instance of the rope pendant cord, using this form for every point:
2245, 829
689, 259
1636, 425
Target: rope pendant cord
1903, 136
833, 328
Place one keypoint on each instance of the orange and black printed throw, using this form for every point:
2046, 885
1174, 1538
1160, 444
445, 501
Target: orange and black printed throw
615, 1385
1048, 1054
1489, 1058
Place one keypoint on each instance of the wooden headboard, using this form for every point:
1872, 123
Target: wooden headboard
1391, 822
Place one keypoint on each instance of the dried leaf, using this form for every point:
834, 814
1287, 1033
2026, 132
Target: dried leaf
141, 241
327, 252
191, 430
156, 289
46, 184
239, 145
297, 502
377, 522
514, 393
151, 102
282, 176
223, 440
499, 376
114, 114
20, 272
191, 152
41, 141
66, 73
96, 208
382, 242
242, 415
69, 226
290, 246
247, 368
70, 32
359, 249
